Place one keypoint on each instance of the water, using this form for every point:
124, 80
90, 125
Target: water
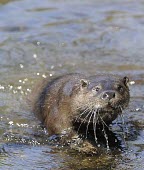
47, 38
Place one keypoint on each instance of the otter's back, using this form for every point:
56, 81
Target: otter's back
50, 92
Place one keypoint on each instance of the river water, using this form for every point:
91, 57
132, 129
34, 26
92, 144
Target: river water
47, 38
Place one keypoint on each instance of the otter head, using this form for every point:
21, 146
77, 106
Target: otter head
101, 98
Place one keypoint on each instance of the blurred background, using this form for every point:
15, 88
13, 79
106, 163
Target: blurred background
40, 39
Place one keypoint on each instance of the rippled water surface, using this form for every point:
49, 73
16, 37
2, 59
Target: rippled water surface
47, 38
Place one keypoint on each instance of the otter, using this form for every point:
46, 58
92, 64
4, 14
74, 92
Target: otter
76, 99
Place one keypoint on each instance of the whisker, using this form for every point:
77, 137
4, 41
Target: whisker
89, 106
124, 127
94, 124
122, 117
81, 114
103, 121
84, 120
89, 123
106, 138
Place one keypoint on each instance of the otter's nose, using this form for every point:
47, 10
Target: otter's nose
108, 95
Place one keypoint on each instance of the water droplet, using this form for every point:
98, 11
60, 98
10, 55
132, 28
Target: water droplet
14, 91
2, 87
63, 44
34, 55
10, 87
132, 82
44, 76
138, 109
21, 92
21, 66
52, 67
10, 123
38, 43
24, 125
37, 74
18, 124
19, 87
29, 90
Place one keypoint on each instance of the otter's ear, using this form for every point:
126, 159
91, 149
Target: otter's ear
84, 83
126, 81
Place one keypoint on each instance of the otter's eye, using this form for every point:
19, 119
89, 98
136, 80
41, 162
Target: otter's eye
96, 89
120, 88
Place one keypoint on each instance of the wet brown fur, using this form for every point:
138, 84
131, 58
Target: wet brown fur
60, 102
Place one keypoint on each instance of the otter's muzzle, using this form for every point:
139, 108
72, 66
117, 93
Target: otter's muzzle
108, 95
